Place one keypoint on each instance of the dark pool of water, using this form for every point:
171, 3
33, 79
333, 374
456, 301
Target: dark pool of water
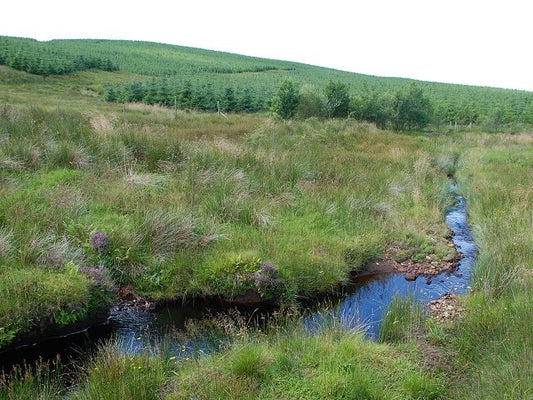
361, 308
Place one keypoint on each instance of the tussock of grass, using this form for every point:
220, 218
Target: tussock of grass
113, 375
401, 322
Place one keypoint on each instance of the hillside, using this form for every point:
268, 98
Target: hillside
245, 83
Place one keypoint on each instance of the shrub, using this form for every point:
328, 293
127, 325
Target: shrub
286, 100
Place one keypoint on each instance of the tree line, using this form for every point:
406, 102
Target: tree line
202, 96
40, 59
406, 108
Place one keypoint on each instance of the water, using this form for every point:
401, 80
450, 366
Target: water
362, 308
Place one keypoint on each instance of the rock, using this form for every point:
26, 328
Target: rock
410, 276
428, 281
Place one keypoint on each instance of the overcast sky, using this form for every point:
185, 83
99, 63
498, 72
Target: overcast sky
485, 43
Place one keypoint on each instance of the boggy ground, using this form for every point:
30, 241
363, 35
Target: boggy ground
314, 198
194, 205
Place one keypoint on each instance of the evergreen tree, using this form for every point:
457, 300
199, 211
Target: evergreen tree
150, 97
110, 94
337, 99
229, 103
246, 101
163, 96
285, 102
185, 96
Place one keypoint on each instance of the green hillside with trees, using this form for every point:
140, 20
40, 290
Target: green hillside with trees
189, 78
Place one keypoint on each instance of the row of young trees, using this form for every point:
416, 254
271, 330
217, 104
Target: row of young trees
405, 109
185, 95
40, 59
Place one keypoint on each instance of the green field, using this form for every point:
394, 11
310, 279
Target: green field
181, 204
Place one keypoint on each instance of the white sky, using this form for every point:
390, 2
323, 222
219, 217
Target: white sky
474, 42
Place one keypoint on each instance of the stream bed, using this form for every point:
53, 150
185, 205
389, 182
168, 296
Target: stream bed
362, 307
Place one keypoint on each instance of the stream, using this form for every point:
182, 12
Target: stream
366, 305
362, 308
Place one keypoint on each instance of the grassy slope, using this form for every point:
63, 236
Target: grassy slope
144, 59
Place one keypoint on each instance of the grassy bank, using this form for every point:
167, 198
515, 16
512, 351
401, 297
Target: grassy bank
494, 341
197, 205
280, 363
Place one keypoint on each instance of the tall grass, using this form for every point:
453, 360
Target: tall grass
114, 375
401, 322
282, 360
330, 365
41, 381
181, 200
494, 339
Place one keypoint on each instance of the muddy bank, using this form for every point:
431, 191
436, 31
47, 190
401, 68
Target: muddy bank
428, 268
45, 332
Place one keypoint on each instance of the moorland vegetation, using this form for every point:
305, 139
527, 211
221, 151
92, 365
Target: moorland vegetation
178, 203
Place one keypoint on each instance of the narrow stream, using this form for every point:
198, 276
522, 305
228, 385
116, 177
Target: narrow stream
363, 307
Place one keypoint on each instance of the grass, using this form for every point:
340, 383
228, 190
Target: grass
284, 362
197, 205
402, 321
494, 338
331, 365
42, 381
194, 206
